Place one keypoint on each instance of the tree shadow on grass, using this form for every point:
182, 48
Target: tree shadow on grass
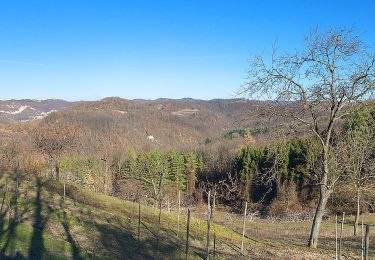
18, 256
37, 248
122, 244
15, 217
70, 239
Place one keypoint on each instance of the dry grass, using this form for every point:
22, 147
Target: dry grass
89, 223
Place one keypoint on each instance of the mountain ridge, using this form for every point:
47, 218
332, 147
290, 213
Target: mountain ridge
144, 124
18, 110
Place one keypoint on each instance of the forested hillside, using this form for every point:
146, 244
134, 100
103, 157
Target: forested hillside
121, 147
169, 154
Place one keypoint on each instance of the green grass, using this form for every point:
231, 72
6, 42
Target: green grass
89, 223
20, 239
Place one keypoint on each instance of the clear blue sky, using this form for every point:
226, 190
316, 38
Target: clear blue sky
87, 49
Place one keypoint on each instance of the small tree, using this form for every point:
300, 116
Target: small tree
314, 87
358, 153
54, 139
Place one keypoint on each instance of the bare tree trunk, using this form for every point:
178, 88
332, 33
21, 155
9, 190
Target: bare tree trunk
323, 198
324, 194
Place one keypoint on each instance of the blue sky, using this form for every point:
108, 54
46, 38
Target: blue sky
88, 49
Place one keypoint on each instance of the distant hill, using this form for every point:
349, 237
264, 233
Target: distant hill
163, 123
30, 109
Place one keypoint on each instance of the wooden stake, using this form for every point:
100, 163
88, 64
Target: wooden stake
160, 202
244, 226
9, 212
362, 239
367, 242
187, 234
336, 239
178, 213
214, 245
213, 209
64, 190
196, 224
341, 233
208, 224
2, 203
139, 220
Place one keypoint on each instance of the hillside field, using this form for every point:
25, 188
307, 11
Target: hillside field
39, 224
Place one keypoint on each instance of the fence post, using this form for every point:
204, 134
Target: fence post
187, 234
367, 241
342, 229
362, 239
160, 206
208, 224
64, 189
214, 245
5, 194
336, 238
139, 220
178, 213
244, 226
9, 212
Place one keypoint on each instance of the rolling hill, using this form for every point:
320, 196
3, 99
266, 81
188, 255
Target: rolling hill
163, 123
29, 109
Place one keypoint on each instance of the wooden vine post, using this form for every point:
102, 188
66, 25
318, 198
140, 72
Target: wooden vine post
341, 233
362, 239
367, 242
214, 245
187, 234
178, 212
244, 226
139, 220
208, 224
160, 204
336, 239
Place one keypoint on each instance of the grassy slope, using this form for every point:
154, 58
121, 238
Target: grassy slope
88, 224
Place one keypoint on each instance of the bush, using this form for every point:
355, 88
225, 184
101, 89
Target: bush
286, 200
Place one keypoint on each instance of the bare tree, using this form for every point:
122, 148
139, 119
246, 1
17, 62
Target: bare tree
357, 152
228, 189
108, 144
55, 139
315, 88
